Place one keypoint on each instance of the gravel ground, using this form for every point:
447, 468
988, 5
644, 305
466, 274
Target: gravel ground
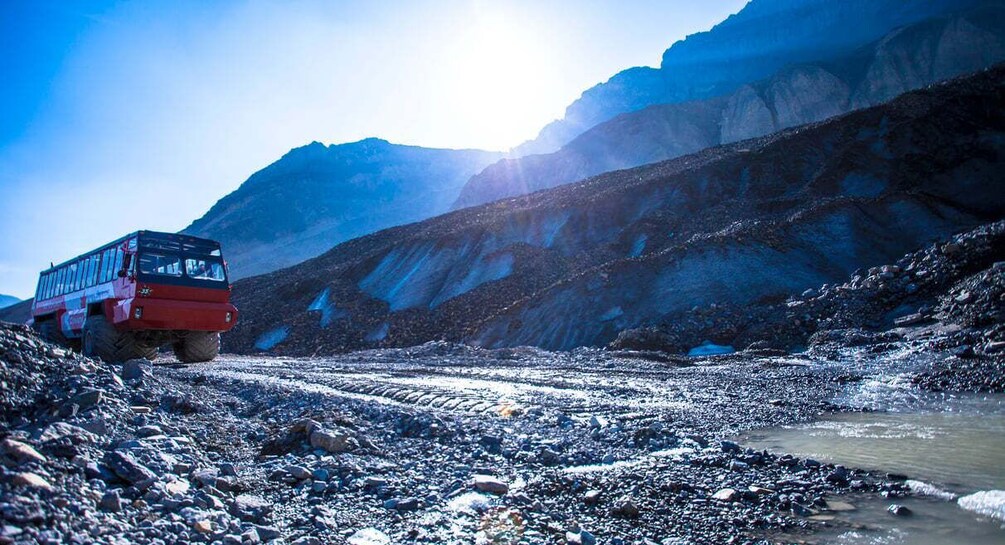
435, 444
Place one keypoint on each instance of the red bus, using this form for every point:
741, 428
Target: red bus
129, 297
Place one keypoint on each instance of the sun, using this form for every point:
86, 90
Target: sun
502, 79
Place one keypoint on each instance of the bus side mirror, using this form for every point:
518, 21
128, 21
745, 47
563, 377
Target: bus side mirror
123, 273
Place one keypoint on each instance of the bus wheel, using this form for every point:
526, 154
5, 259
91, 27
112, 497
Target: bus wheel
103, 341
50, 331
197, 346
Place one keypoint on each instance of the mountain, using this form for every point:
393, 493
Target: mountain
759, 40
17, 313
736, 224
905, 59
316, 196
7, 300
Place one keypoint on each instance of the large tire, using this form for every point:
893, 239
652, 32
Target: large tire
50, 331
198, 346
102, 340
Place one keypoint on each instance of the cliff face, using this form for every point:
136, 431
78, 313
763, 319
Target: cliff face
317, 196
907, 58
734, 224
764, 37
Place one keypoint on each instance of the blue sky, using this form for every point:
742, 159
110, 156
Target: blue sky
118, 116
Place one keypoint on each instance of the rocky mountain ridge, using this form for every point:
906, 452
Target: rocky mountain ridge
759, 40
905, 59
577, 264
316, 196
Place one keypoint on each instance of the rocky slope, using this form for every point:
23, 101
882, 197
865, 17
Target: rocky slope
907, 58
736, 224
765, 36
17, 313
280, 450
317, 196
8, 300
953, 290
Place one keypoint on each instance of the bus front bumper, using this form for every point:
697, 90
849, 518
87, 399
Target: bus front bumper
166, 315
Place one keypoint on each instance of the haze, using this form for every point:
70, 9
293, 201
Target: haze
140, 115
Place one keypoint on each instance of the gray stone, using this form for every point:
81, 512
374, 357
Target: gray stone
335, 442
127, 468
492, 485
134, 369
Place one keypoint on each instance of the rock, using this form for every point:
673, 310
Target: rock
267, 533
87, 399
203, 526
62, 430
760, 491
369, 536
899, 510
227, 469
801, 510
127, 468
591, 497
726, 494
149, 431
30, 480
625, 508
910, 319
134, 369
250, 508
111, 501
299, 473
729, 446
306, 540
178, 487
598, 422
487, 483
19, 452
582, 537
334, 442
736, 465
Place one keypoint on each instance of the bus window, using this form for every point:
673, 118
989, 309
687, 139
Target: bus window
165, 265
71, 277
107, 263
201, 269
118, 261
92, 278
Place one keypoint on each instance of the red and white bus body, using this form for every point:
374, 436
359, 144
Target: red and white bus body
142, 284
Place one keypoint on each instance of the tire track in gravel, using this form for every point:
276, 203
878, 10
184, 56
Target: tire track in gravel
456, 387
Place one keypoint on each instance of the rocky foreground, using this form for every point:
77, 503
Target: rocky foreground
436, 444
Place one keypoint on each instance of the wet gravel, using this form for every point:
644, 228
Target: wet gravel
436, 444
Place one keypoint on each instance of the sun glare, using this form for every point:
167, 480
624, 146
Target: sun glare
498, 78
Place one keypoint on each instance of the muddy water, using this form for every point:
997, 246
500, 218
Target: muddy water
952, 449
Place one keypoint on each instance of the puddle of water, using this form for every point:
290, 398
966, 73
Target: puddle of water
952, 448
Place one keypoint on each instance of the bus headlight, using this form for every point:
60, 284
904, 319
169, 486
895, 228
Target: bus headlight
138, 313
228, 317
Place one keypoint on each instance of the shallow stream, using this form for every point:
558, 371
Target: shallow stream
952, 448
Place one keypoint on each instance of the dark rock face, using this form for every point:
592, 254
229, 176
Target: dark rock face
905, 59
758, 41
317, 196
17, 313
736, 224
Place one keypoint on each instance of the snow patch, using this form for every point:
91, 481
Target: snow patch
708, 348
925, 489
638, 246
272, 337
990, 503
328, 311
611, 314
379, 333
369, 536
